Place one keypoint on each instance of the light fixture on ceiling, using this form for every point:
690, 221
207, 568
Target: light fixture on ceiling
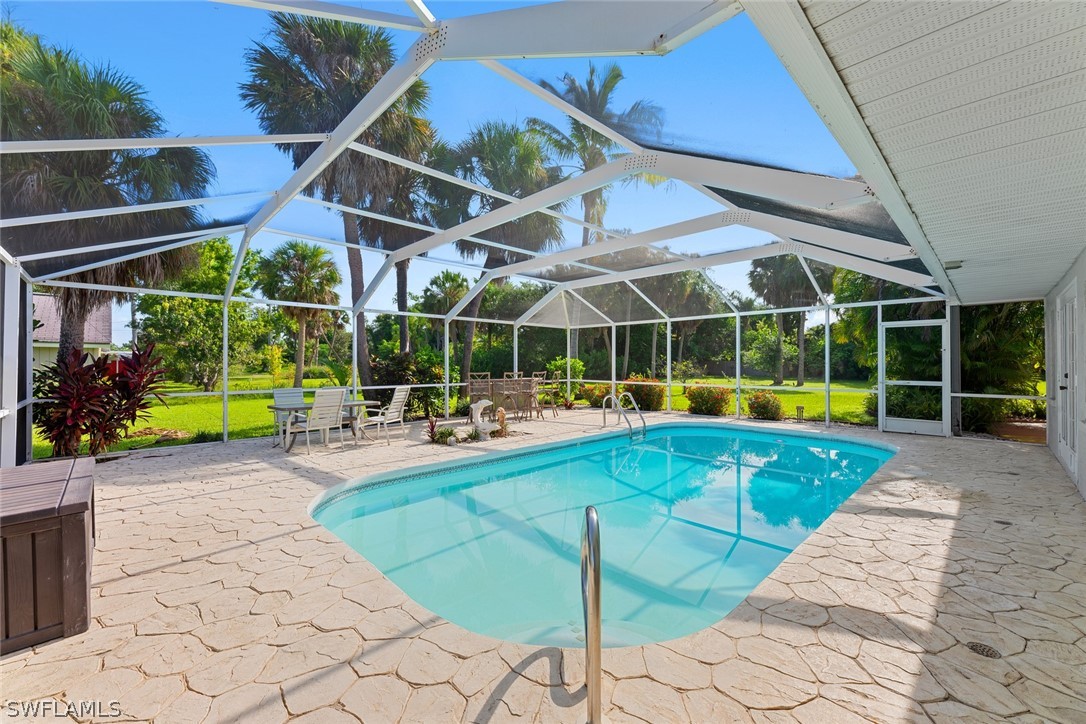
952, 265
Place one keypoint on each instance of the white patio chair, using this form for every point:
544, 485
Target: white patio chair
326, 413
291, 396
393, 413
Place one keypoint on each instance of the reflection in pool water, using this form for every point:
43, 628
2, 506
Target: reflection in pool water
692, 519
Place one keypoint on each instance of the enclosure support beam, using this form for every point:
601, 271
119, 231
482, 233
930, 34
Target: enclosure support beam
226, 367
881, 367
569, 363
447, 367
613, 358
826, 360
354, 357
954, 314
516, 348
9, 383
667, 346
738, 364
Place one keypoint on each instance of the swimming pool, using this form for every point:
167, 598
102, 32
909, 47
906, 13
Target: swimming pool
692, 518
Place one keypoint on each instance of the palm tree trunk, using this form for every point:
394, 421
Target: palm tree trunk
778, 379
358, 287
472, 310
682, 342
299, 352
72, 328
401, 305
801, 343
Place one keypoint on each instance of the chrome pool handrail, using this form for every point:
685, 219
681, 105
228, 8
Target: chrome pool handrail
644, 426
617, 408
590, 598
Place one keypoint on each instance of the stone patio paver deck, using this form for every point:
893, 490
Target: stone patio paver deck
216, 598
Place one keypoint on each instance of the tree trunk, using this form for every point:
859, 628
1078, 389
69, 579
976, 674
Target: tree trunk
682, 343
299, 352
401, 305
801, 343
72, 328
655, 331
358, 287
779, 378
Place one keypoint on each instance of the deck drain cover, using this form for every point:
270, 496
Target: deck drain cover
983, 650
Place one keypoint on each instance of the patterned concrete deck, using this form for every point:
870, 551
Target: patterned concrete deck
216, 598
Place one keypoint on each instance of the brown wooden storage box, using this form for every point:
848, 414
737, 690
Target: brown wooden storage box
47, 536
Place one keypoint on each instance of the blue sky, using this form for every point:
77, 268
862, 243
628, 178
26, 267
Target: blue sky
725, 93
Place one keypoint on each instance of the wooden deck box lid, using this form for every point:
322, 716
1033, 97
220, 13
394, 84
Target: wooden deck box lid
45, 490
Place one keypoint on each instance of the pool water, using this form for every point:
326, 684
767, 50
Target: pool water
692, 518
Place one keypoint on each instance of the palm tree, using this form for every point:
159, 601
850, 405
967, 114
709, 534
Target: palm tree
50, 93
310, 75
506, 158
588, 149
440, 295
780, 281
585, 147
404, 192
300, 272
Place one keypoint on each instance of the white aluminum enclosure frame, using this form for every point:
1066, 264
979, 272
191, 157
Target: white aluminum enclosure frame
887, 423
558, 30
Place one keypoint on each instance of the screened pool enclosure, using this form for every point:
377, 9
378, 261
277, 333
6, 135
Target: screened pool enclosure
623, 278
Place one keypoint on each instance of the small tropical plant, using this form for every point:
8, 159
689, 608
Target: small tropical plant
709, 400
339, 374
764, 405
442, 435
648, 392
431, 428
97, 399
568, 403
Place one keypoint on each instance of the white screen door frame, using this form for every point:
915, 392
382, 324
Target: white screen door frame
1066, 379
906, 425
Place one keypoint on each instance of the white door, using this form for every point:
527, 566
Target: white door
914, 400
1066, 381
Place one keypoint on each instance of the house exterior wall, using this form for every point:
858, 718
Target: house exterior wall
46, 352
1075, 275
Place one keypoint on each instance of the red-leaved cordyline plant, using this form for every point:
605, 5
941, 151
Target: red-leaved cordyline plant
86, 398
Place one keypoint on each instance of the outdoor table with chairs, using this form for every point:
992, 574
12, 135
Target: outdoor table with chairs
331, 409
519, 395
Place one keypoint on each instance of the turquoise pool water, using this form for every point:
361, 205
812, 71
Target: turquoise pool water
691, 520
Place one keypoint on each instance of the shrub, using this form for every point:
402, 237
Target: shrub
686, 370
871, 405
99, 399
442, 435
764, 405
339, 374
576, 372
594, 394
647, 396
316, 372
463, 407
709, 400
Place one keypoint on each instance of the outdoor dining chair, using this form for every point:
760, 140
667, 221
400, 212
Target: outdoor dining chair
291, 396
326, 413
394, 412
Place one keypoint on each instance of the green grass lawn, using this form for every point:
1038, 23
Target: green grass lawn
199, 419
844, 406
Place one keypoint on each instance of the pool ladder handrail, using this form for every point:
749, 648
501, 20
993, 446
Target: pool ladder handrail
617, 399
593, 624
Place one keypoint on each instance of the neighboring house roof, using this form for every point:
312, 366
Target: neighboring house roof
97, 332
